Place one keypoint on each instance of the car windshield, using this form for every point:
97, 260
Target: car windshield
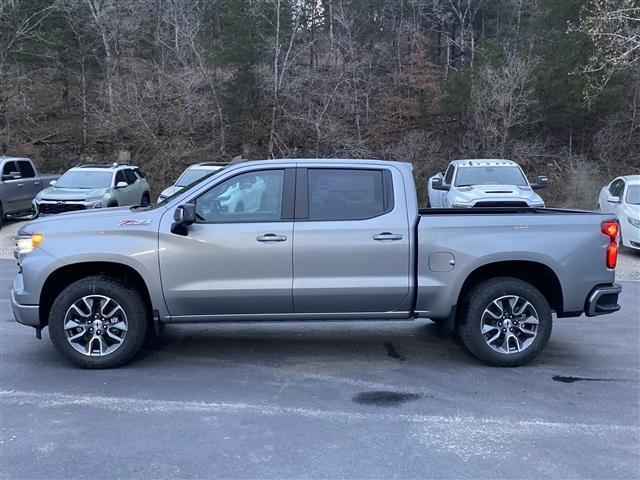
84, 179
633, 195
191, 175
490, 176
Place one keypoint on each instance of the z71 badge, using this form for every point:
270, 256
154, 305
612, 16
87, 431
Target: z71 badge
130, 222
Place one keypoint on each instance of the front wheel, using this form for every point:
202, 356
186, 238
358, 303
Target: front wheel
505, 322
98, 322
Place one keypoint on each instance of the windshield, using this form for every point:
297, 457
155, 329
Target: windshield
84, 179
633, 195
490, 176
191, 175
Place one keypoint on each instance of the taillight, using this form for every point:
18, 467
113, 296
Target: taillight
611, 230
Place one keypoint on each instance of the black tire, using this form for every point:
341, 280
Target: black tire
136, 311
112, 204
473, 308
146, 199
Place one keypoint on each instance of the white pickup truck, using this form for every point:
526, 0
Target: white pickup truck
484, 183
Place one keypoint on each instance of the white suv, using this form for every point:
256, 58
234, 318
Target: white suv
94, 186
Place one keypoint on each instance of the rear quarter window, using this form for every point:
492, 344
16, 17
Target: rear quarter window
346, 194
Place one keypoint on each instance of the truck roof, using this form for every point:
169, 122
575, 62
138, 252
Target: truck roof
336, 161
4, 157
484, 162
632, 179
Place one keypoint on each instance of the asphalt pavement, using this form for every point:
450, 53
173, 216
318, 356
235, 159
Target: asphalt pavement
324, 400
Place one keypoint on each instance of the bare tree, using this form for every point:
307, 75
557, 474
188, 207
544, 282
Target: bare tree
501, 98
614, 28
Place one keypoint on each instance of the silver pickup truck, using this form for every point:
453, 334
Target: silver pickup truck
20, 183
305, 240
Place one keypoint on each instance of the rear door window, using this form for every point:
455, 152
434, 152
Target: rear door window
130, 176
346, 194
26, 169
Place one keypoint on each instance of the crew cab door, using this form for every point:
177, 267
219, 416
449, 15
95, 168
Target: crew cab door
237, 258
352, 239
13, 196
31, 182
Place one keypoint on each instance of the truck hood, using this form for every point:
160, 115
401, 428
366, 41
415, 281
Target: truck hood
68, 194
101, 219
494, 193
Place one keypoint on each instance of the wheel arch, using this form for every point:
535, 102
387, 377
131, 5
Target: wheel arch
64, 276
537, 274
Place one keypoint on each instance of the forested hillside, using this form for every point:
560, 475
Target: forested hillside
552, 84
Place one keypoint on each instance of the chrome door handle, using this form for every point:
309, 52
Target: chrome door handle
271, 237
20, 185
36, 183
387, 236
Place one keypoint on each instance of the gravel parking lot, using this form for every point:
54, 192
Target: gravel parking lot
329, 400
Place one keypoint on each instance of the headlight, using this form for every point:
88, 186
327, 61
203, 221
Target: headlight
94, 203
634, 221
161, 198
27, 242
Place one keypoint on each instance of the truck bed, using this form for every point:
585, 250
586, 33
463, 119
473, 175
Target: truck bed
502, 211
452, 244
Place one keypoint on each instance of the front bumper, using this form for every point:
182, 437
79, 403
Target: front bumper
603, 300
25, 314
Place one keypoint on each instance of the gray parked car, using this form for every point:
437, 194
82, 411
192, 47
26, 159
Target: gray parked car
315, 240
94, 186
20, 184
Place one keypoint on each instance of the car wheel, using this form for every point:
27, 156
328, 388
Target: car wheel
112, 204
505, 322
98, 322
146, 199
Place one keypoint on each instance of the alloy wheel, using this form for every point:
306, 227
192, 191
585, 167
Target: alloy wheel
509, 324
95, 325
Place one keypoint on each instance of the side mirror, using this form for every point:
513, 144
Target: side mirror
121, 184
53, 183
542, 182
437, 184
183, 216
613, 200
11, 176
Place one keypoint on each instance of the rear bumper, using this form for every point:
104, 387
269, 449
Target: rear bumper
603, 300
25, 314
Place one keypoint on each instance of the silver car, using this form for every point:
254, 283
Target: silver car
94, 186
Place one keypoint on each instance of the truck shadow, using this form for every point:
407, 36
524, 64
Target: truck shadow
418, 342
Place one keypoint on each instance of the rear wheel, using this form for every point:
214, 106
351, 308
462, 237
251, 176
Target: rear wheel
146, 199
98, 322
505, 322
